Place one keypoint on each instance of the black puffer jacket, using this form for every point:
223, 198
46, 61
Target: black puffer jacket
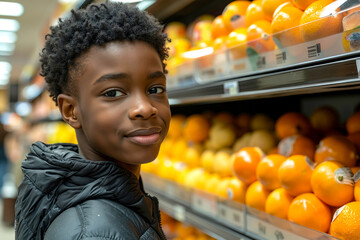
64, 196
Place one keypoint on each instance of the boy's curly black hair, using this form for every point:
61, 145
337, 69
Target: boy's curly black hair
95, 25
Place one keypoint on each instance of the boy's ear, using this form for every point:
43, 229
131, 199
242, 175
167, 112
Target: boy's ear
68, 110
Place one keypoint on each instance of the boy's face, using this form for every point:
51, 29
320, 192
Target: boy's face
122, 105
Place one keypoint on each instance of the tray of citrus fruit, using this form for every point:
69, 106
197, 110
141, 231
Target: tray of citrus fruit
263, 35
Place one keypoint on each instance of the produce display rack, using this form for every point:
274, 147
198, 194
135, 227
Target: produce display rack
208, 79
220, 218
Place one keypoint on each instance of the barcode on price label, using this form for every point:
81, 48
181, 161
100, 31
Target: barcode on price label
231, 215
261, 62
314, 50
266, 230
281, 58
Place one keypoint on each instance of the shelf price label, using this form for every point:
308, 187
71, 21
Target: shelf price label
204, 203
266, 230
231, 88
314, 50
231, 215
179, 213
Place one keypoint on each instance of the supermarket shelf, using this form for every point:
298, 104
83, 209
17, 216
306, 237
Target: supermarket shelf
222, 218
241, 72
324, 77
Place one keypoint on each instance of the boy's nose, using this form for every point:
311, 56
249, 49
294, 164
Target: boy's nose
141, 108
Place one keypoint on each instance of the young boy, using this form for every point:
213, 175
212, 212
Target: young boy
105, 69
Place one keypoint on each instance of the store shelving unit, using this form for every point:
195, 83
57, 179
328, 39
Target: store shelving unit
317, 67
221, 218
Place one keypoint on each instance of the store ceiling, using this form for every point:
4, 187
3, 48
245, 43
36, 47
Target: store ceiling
37, 14
30, 34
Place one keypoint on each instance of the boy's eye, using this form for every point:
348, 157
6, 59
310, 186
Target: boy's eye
156, 90
113, 93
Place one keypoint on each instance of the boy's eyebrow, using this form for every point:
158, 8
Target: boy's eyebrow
111, 76
117, 76
157, 74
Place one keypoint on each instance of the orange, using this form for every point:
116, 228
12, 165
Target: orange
292, 123
243, 121
313, 26
269, 7
218, 28
336, 148
346, 222
245, 163
353, 123
295, 174
302, 4
278, 203
325, 119
267, 171
175, 30
297, 145
259, 36
309, 211
176, 126
212, 183
355, 138
196, 128
284, 25
219, 43
254, 13
234, 14
256, 196
236, 41
236, 190
332, 183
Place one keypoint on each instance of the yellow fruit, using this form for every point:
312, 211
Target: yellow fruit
236, 42
243, 141
192, 157
221, 135
346, 222
263, 139
207, 160
262, 121
223, 164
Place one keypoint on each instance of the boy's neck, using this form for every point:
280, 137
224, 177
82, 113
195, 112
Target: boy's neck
134, 169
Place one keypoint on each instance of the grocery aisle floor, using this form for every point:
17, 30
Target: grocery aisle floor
6, 232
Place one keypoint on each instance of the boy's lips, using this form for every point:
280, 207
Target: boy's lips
144, 136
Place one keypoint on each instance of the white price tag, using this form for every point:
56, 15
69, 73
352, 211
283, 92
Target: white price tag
204, 203
179, 213
231, 215
268, 231
231, 88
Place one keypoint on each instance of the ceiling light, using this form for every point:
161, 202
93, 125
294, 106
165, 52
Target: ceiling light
4, 79
2, 53
11, 9
9, 25
7, 47
145, 4
5, 67
7, 37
